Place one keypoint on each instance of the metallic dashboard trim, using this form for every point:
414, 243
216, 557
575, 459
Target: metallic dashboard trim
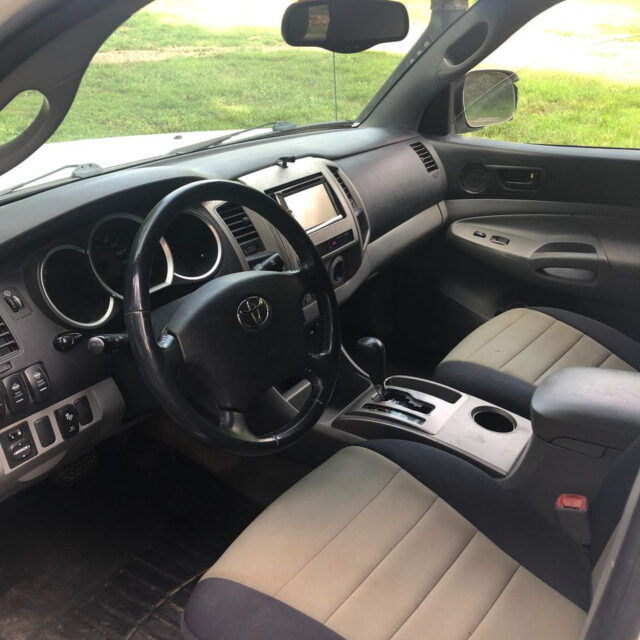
200, 215
52, 305
163, 244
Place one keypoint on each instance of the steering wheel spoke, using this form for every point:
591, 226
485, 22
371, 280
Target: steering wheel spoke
171, 352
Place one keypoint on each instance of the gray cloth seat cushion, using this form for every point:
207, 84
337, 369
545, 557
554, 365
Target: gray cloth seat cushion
395, 540
504, 359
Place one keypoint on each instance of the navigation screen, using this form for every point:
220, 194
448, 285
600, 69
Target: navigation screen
311, 207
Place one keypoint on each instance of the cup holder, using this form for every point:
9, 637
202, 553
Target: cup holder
494, 419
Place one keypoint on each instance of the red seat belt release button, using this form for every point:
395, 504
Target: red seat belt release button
573, 514
572, 501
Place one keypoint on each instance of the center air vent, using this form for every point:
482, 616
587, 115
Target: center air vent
425, 157
240, 225
343, 185
8, 343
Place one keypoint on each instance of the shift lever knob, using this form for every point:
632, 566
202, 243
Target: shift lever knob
372, 357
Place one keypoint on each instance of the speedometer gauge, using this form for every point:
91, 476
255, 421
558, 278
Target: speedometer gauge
109, 249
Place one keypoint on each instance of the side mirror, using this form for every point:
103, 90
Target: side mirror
485, 97
344, 26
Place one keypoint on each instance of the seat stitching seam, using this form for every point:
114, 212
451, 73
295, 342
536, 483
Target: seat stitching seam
486, 342
488, 611
355, 515
526, 346
426, 595
386, 555
562, 355
606, 358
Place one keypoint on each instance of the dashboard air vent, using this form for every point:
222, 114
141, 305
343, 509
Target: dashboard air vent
343, 185
241, 227
8, 343
425, 157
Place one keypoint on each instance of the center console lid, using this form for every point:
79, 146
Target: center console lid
597, 406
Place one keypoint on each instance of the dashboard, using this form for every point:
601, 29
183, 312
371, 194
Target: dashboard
363, 196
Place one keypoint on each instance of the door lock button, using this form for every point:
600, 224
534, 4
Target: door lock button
67, 419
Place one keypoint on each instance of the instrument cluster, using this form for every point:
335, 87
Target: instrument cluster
83, 284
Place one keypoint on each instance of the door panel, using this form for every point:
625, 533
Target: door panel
557, 226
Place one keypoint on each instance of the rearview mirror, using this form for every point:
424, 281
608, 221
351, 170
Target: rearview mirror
344, 26
485, 97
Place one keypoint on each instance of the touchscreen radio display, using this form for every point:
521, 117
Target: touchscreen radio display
311, 207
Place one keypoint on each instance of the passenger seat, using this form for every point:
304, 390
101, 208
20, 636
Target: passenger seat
504, 359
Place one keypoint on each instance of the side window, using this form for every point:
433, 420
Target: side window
578, 77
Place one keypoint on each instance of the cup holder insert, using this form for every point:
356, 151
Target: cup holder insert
494, 419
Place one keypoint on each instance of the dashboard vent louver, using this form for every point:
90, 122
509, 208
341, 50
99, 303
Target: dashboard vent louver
8, 343
343, 185
425, 157
240, 225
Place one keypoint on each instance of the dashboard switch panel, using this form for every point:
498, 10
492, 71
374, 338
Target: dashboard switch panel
18, 445
44, 431
83, 408
38, 382
68, 421
17, 394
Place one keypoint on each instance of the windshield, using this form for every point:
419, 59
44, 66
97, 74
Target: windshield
181, 72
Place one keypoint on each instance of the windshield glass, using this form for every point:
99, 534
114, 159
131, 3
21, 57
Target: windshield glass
181, 72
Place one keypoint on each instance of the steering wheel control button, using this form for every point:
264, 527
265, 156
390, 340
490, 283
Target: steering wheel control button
68, 421
38, 382
18, 448
17, 394
44, 431
83, 409
254, 313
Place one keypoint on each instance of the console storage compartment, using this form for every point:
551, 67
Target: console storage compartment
588, 406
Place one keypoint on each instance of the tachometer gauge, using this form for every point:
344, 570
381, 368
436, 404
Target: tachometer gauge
109, 248
71, 289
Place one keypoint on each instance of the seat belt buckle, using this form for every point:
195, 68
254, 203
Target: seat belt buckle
573, 514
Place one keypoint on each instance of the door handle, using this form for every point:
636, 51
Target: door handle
519, 178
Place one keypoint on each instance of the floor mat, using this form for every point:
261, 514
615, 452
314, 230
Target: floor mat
116, 555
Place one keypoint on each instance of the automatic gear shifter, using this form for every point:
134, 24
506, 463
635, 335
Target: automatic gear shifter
372, 357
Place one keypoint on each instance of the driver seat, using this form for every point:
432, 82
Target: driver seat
399, 540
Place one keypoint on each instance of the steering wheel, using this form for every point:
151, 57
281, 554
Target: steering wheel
236, 336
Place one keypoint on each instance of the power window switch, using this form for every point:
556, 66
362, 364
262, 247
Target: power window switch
479, 234
44, 431
38, 382
67, 419
500, 240
17, 394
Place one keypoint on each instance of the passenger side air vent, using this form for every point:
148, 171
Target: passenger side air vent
8, 343
241, 227
425, 157
343, 185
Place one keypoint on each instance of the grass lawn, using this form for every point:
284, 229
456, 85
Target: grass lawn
158, 75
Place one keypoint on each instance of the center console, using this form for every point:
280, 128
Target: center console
419, 409
412, 408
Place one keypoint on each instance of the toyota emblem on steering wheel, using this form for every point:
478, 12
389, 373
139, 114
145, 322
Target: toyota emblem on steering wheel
254, 313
